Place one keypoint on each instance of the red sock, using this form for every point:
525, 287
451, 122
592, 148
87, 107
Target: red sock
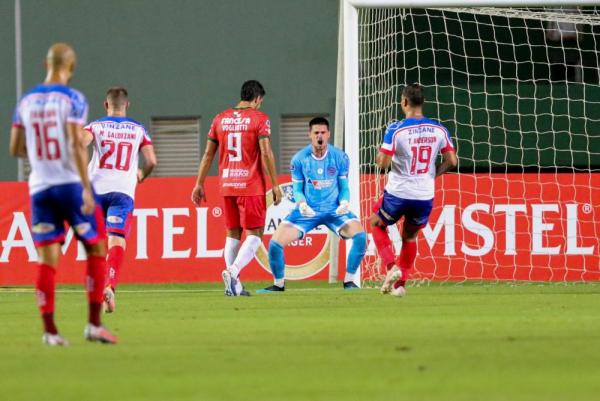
114, 261
45, 287
406, 260
384, 246
95, 283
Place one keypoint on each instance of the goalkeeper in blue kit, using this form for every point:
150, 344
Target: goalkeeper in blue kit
320, 183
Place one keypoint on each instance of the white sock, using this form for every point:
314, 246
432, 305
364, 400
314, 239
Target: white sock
349, 277
245, 254
232, 246
279, 282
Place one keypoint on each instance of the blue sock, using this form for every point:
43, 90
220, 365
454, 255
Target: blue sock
276, 259
357, 252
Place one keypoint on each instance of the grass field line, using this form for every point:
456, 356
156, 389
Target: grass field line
158, 291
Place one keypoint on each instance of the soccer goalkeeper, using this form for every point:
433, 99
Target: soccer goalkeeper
320, 182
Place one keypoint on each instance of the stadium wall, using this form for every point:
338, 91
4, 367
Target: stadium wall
188, 58
179, 57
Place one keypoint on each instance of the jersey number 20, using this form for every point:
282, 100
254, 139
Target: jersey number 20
123, 158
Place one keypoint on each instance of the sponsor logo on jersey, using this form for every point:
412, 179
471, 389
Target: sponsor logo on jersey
235, 173
320, 184
43, 228
83, 228
114, 219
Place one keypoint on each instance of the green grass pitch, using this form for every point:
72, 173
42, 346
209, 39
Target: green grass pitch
314, 342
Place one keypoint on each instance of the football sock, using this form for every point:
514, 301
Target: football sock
45, 289
245, 254
349, 277
357, 252
114, 261
276, 260
383, 245
279, 282
407, 257
232, 246
95, 283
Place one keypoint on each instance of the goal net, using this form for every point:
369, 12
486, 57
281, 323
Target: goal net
518, 88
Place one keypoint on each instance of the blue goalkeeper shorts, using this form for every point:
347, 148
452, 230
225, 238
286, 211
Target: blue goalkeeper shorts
333, 221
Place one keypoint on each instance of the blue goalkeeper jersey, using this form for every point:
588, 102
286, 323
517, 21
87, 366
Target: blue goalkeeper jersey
320, 177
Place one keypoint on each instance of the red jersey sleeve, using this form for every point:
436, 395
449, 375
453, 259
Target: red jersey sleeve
212, 132
264, 127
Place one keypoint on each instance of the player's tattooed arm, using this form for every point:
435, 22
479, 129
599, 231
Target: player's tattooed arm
383, 161
17, 146
268, 160
198, 193
449, 162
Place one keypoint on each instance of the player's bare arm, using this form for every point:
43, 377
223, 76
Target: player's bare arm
17, 147
76, 134
87, 138
149, 163
449, 162
268, 160
383, 161
198, 194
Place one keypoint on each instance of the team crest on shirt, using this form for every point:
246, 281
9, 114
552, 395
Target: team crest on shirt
331, 170
43, 228
83, 228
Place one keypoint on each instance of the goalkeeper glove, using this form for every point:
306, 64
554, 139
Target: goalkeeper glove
306, 210
343, 208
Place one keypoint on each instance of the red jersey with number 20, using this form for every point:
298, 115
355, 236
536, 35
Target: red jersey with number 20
237, 131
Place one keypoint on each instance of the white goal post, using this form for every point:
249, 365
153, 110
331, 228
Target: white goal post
534, 97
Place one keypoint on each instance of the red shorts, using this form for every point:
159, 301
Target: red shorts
246, 212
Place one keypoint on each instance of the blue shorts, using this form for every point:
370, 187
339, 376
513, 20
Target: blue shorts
390, 209
52, 207
333, 221
117, 208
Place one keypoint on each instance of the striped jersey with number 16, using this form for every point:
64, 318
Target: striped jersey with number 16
43, 113
414, 144
237, 131
114, 164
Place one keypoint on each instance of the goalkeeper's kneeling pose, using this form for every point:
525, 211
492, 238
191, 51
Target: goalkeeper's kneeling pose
320, 181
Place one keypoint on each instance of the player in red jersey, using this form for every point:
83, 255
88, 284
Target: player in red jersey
48, 130
242, 136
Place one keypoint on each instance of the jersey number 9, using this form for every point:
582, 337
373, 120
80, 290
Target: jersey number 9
234, 146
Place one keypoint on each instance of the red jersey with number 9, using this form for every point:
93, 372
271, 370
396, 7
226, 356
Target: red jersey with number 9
237, 132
